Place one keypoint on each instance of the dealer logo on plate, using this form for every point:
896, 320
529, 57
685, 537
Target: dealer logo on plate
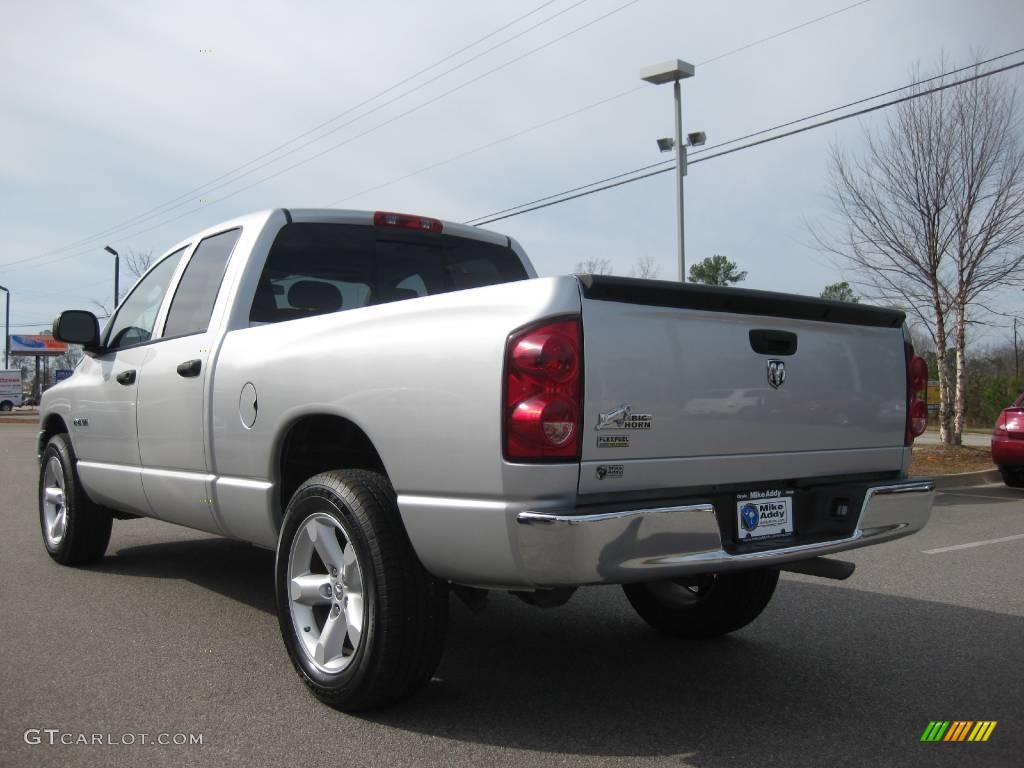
749, 517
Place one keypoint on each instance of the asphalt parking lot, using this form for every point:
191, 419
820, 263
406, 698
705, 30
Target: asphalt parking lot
174, 632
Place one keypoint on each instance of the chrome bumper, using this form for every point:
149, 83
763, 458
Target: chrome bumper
666, 542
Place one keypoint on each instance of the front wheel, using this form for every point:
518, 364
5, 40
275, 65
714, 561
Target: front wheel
703, 606
1012, 476
6, 405
75, 530
363, 622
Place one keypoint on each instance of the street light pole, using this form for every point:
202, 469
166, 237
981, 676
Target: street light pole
117, 271
680, 175
7, 325
659, 74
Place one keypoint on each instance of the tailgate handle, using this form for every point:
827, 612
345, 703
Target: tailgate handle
765, 341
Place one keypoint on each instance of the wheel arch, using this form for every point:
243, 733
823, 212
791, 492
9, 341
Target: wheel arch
52, 424
318, 442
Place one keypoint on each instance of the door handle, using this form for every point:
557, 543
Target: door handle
126, 377
190, 368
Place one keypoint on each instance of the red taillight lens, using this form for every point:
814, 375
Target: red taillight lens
543, 391
406, 221
917, 410
918, 417
918, 375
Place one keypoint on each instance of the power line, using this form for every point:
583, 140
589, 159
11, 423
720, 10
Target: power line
168, 208
492, 217
163, 207
490, 144
784, 32
590, 106
805, 118
355, 137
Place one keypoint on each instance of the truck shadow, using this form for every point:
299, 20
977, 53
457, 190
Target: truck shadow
231, 568
825, 675
828, 674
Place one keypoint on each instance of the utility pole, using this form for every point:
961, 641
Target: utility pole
7, 326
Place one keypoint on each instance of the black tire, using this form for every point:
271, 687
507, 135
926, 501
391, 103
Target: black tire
404, 608
87, 525
703, 606
1013, 476
6, 405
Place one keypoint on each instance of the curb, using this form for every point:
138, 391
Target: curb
967, 479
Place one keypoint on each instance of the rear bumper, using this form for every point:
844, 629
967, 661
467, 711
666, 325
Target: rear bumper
1007, 451
665, 542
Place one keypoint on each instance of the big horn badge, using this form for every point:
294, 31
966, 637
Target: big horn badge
776, 373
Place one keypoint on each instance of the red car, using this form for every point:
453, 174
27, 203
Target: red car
1008, 444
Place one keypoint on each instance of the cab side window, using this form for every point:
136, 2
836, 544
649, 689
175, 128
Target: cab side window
197, 291
133, 323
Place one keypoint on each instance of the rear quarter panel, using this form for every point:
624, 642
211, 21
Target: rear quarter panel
423, 379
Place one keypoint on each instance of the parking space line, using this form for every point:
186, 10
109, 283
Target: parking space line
969, 495
973, 544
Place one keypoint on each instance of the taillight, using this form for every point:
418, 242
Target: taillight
917, 410
407, 221
543, 392
1001, 430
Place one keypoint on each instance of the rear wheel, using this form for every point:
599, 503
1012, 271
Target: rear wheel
6, 405
703, 606
75, 530
1013, 476
363, 622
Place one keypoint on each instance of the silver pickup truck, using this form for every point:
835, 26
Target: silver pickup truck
401, 409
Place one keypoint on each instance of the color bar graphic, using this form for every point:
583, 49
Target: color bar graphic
958, 730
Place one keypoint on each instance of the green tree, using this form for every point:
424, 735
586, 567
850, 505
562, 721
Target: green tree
840, 292
716, 270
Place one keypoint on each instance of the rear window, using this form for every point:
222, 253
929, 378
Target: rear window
313, 269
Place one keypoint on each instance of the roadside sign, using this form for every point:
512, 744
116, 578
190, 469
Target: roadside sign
62, 373
36, 344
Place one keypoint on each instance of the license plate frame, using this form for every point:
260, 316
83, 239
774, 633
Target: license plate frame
774, 515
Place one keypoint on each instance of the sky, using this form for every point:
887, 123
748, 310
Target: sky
112, 110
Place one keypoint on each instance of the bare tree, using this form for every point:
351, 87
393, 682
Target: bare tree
137, 262
593, 266
932, 216
989, 212
645, 267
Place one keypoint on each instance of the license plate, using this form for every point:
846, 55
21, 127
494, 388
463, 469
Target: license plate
761, 514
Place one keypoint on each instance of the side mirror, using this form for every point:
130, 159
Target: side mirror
77, 326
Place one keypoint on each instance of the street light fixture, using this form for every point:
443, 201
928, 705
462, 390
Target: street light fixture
117, 270
672, 72
7, 325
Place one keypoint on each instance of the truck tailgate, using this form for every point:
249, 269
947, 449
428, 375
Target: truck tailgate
692, 386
